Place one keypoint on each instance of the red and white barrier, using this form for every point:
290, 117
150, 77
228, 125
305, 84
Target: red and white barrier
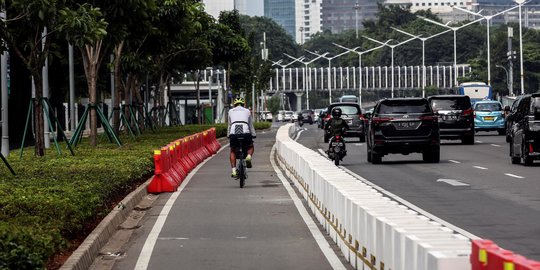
174, 161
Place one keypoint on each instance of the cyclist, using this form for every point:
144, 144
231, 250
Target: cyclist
240, 125
336, 126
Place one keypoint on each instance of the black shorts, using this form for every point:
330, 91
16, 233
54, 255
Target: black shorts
234, 140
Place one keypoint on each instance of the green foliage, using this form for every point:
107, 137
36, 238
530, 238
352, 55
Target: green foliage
273, 104
74, 190
262, 125
83, 25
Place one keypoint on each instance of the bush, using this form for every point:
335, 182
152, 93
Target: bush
53, 198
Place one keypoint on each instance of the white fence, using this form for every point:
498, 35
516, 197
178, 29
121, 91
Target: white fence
372, 231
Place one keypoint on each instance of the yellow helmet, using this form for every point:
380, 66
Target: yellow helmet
239, 101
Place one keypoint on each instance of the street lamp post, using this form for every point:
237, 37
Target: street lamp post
488, 24
306, 86
507, 79
329, 69
454, 29
521, 71
354, 50
392, 47
356, 8
301, 35
423, 39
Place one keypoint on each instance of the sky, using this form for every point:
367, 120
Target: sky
255, 7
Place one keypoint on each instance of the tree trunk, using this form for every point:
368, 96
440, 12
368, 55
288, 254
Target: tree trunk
117, 81
91, 58
38, 117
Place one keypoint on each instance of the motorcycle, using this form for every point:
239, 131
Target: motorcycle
336, 150
300, 120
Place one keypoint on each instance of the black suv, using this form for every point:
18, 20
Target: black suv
456, 117
307, 116
351, 113
403, 126
525, 130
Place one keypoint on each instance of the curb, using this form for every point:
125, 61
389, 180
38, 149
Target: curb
85, 254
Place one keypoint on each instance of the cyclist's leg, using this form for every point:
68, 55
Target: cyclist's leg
250, 149
234, 143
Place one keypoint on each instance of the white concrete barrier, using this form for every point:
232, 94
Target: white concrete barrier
372, 230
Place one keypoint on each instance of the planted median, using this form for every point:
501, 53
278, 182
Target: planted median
55, 201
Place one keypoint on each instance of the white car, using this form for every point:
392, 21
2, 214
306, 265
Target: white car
280, 116
294, 117
288, 115
266, 116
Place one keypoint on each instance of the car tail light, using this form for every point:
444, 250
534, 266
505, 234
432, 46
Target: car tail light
531, 149
378, 120
361, 116
468, 112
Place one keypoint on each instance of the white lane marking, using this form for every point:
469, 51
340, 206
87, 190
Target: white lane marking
479, 141
412, 206
453, 182
325, 247
298, 135
496, 145
454, 161
481, 168
172, 238
148, 248
513, 175
358, 144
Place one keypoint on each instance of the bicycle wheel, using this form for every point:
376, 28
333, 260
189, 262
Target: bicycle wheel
242, 173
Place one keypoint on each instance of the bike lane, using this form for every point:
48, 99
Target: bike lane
214, 224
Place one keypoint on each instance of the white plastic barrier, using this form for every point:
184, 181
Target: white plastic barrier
372, 231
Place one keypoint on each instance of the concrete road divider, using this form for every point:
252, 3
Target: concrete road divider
371, 230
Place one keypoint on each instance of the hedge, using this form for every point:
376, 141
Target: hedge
52, 199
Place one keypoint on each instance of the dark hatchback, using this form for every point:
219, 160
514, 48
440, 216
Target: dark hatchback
525, 130
351, 113
403, 126
307, 116
456, 117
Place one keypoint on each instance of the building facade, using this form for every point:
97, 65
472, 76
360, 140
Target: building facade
340, 15
214, 7
283, 12
300, 18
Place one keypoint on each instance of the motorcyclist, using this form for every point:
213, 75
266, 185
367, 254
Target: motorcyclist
336, 126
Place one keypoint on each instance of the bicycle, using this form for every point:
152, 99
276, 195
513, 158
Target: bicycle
241, 168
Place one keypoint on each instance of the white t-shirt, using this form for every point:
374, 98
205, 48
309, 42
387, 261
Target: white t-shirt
240, 121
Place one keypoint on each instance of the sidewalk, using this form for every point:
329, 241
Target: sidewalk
214, 224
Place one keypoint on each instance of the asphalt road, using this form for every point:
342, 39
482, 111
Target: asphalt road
474, 187
213, 224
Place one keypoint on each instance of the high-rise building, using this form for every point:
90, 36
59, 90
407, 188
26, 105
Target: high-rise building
339, 15
282, 12
214, 7
300, 18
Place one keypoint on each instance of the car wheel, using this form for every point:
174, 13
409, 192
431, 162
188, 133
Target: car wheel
432, 155
469, 140
502, 132
376, 158
326, 138
368, 154
515, 160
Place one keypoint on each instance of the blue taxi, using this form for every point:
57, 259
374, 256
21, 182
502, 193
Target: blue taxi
489, 115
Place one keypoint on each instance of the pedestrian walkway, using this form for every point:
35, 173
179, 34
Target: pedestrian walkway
214, 224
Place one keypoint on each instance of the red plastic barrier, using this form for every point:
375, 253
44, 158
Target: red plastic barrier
185, 155
181, 158
202, 145
486, 255
175, 165
162, 180
170, 165
191, 151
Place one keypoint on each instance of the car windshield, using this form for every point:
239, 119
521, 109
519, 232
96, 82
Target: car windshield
460, 103
488, 107
404, 107
348, 110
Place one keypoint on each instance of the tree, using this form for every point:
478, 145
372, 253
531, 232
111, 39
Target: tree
85, 27
23, 33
